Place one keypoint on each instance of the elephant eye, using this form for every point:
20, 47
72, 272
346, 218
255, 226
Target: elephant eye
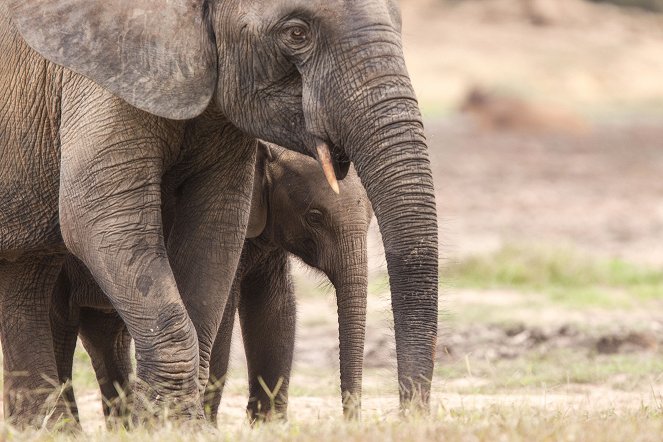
315, 218
296, 35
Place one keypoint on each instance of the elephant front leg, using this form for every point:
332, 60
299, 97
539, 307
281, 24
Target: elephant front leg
267, 312
32, 395
208, 231
112, 160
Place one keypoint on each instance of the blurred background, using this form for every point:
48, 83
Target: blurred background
545, 127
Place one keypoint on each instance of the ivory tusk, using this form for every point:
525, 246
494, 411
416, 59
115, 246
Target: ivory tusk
324, 157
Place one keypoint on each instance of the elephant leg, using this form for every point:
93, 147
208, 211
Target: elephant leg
219, 360
31, 394
267, 311
112, 159
64, 316
104, 336
107, 341
209, 226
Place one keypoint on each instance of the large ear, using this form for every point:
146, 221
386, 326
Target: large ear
159, 56
260, 198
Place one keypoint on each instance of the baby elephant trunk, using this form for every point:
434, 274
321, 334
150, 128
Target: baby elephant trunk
351, 291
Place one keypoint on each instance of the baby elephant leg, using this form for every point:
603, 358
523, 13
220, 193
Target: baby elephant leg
218, 367
267, 313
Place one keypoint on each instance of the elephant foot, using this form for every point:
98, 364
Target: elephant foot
40, 408
117, 410
352, 406
259, 411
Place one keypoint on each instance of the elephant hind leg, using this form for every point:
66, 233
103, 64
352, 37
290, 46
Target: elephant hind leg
107, 341
220, 358
64, 327
32, 395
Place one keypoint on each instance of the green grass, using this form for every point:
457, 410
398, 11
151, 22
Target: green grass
564, 275
623, 372
84, 377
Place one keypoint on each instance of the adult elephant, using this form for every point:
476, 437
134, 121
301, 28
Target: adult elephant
128, 95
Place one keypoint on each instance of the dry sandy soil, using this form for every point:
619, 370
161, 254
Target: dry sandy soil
601, 192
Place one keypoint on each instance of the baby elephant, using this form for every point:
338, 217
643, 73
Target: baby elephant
293, 211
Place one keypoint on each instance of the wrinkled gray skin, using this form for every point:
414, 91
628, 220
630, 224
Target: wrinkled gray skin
119, 99
293, 211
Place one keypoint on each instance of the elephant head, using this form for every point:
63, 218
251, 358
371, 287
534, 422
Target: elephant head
295, 210
328, 75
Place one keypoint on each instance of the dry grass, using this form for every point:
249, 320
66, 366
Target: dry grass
494, 422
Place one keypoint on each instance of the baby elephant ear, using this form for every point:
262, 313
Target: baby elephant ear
158, 55
259, 200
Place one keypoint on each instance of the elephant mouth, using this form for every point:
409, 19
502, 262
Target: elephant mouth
341, 162
334, 162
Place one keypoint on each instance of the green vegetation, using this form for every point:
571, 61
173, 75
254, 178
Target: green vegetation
623, 372
566, 276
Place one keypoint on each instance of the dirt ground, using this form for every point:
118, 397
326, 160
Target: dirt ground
601, 192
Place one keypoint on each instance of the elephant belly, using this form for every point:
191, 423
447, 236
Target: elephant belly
29, 152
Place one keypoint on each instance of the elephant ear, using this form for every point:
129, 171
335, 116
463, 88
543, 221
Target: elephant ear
159, 56
260, 198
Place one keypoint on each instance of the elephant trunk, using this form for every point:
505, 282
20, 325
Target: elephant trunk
351, 291
387, 145
400, 186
